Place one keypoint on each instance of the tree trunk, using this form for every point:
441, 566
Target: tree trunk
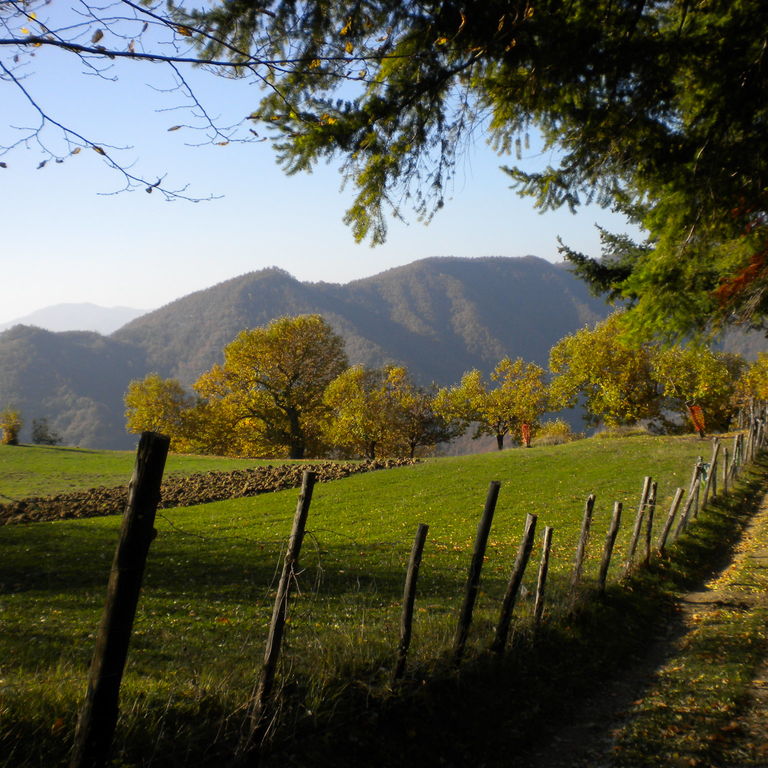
296, 443
500, 442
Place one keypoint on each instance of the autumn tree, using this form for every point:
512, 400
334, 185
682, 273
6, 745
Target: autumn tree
614, 379
380, 411
694, 375
272, 382
362, 411
419, 423
10, 425
517, 395
155, 404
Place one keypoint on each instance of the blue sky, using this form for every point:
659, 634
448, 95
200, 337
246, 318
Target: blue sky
65, 242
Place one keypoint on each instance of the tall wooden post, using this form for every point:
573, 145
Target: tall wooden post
541, 583
513, 587
697, 489
649, 523
711, 482
476, 566
409, 598
279, 613
684, 517
98, 716
610, 541
670, 519
638, 524
581, 549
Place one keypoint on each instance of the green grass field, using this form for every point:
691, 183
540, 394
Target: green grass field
208, 590
35, 470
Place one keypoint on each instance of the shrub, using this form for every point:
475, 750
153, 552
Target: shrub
624, 430
555, 432
10, 425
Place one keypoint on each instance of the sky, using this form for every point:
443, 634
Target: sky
67, 239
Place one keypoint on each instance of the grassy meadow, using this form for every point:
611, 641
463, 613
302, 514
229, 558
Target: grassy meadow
208, 590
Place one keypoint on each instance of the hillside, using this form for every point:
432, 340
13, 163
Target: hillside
439, 316
208, 594
75, 379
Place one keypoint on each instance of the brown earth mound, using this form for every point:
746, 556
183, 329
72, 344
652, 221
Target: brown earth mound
185, 491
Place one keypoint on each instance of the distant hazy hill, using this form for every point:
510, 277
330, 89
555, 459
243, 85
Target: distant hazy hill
439, 316
78, 317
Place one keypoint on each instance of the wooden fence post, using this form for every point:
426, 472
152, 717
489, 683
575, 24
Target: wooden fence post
711, 482
475, 567
758, 438
683, 522
581, 549
610, 540
736, 455
670, 519
638, 524
541, 583
513, 587
697, 489
409, 597
98, 716
726, 470
649, 523
279, 612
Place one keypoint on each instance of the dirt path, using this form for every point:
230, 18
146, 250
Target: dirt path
611, 727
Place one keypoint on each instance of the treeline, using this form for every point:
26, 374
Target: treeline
11, 423
286, 389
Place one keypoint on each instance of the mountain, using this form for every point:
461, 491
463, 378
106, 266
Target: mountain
77, 317
439, 316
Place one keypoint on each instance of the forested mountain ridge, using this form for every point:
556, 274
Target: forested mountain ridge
440, 317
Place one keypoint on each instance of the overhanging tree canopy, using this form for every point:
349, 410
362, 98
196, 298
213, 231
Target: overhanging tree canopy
655, 108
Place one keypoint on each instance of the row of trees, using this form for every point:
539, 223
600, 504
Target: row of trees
288, 389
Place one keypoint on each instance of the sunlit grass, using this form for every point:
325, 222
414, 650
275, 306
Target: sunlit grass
210, 579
